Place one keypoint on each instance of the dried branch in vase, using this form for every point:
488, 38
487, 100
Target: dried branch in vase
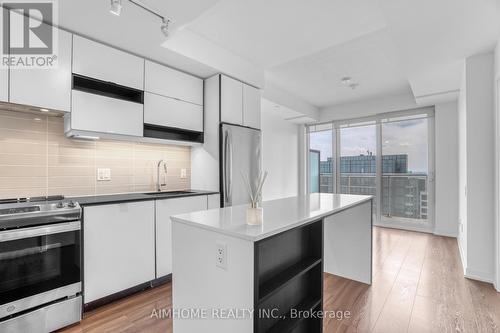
254, 192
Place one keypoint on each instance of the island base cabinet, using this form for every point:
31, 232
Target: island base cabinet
119, 248
289, 280
165, 209
263, 280
348, 243
198, 283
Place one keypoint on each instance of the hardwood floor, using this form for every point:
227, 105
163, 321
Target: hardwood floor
418, 286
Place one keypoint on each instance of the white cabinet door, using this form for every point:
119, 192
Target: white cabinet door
118, 247
231, 103
105, 63
96, 113
251, 106
45, 88
169, 82
4, 85
169, 112
213, 201
4, 72
165, 209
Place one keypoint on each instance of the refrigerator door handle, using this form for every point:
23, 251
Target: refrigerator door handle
228, 162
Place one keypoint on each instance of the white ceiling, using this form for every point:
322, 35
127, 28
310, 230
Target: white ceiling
271, 32
306, 47
135, 30
390, 46
369, 60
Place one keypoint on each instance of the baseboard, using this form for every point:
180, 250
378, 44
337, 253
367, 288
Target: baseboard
407, 227
478, 275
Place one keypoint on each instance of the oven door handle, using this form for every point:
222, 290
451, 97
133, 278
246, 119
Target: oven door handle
10, 235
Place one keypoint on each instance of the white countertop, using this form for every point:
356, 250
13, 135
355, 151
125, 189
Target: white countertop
278, 215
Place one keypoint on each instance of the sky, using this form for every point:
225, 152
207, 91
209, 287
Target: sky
404, 137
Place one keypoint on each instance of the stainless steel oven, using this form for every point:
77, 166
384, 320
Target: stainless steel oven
40, 263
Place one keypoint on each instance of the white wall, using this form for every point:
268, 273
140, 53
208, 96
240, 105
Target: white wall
497, 164
480, 172
446, 165
280, 150
462, 171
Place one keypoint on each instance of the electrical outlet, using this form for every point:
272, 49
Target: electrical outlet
103, 174
183, 173
221, 255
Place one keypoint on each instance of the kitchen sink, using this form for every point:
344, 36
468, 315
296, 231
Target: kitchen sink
168, 193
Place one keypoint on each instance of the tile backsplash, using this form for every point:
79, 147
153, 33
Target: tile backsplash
36, 159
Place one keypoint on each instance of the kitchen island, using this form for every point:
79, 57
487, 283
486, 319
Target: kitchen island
232, 277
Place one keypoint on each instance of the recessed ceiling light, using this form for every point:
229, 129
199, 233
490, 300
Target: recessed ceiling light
346, 80
116, 7
44, 110
38, 119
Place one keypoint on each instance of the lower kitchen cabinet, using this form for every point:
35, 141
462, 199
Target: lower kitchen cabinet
213, 201
119, 247
164, 209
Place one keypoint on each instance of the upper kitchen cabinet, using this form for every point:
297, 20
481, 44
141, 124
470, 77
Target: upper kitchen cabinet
101, 114
45, 88
168, 82
231, 96
107, 64
251, 106
172, 113
173, 104
239, 103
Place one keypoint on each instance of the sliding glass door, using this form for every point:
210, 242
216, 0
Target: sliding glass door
405, 172
321, 161
358, 160
388, 156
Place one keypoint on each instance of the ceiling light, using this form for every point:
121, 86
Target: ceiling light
116, 7
346, 80
44, 110
164, 26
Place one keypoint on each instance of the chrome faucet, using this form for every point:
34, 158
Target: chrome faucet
159, 184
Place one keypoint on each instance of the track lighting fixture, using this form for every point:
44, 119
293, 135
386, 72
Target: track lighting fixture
116, 7
164, 26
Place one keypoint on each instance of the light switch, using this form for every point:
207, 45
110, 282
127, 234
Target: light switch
103, 174
183, 173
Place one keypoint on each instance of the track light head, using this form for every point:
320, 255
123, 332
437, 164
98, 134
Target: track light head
164, 26
116, 7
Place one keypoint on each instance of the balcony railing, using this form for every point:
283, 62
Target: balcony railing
404, 195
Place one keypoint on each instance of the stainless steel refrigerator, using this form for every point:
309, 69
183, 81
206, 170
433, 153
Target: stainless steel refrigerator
240, 156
